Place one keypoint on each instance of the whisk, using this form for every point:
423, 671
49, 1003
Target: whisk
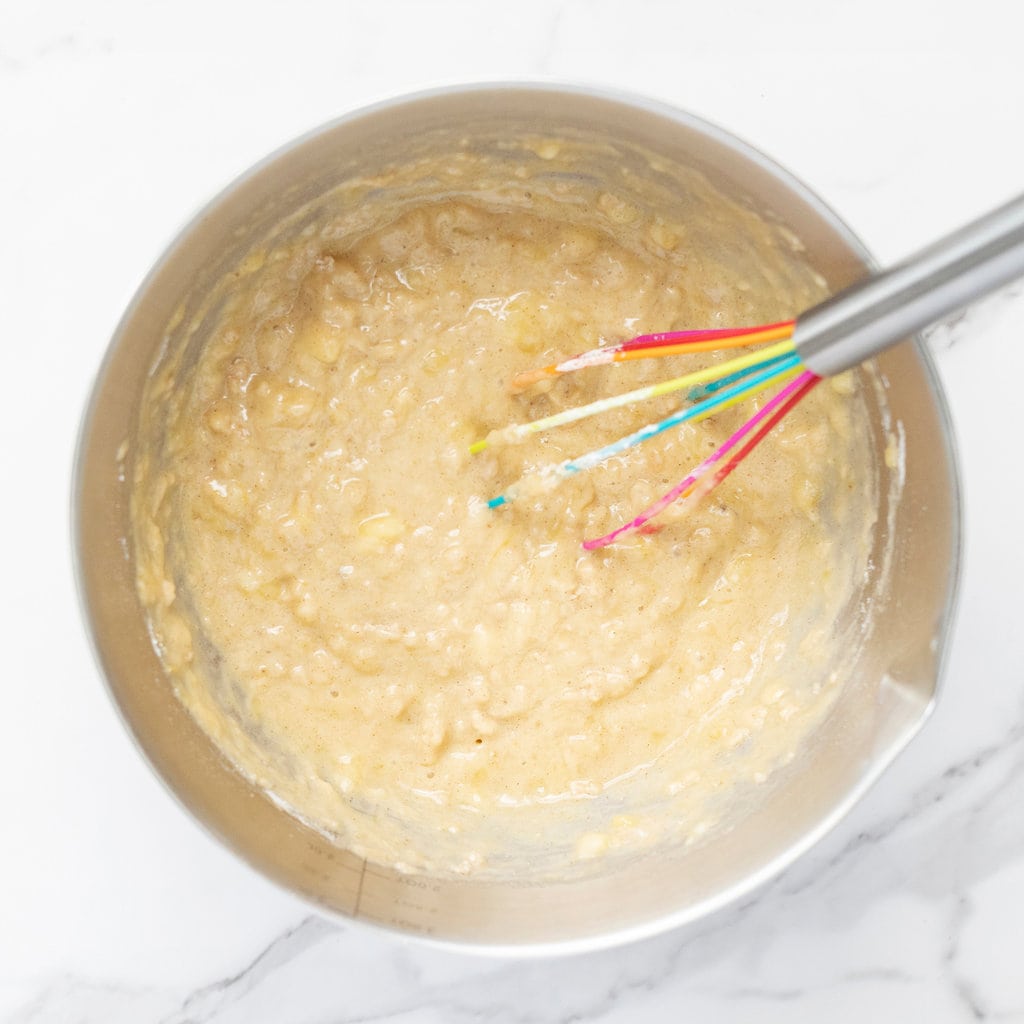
837, 334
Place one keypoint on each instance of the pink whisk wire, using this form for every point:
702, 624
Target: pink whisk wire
762, 422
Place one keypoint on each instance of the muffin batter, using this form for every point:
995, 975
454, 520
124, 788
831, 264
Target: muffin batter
448, 688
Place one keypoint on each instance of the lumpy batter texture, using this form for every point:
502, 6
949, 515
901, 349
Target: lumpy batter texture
449, 688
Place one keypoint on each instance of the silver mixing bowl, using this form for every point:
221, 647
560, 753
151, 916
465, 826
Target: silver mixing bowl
880, 708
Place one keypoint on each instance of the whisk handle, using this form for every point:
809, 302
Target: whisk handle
860, 321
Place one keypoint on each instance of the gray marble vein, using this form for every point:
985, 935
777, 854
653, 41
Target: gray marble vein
552, 39
212, 1001
81, 1001
975, 320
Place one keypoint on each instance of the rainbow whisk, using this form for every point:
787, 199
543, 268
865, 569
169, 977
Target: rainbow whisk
793, 356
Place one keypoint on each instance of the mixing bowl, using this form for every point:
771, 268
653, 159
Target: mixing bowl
880, 707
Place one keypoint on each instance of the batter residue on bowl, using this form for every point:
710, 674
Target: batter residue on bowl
448, 688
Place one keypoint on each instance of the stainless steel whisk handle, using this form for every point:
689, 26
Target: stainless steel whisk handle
873, 314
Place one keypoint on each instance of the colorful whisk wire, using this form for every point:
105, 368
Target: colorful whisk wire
836, 335
711, 390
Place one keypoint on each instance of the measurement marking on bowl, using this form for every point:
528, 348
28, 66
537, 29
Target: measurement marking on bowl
359, 889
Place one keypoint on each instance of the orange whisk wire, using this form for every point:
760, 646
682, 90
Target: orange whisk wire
669, 343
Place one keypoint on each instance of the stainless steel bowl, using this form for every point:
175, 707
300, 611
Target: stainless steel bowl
879, 709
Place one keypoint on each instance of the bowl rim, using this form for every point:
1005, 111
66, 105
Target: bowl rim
944, 631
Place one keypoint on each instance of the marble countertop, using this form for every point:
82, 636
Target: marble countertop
119, 119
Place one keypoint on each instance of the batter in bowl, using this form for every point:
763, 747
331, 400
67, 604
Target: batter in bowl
452, 689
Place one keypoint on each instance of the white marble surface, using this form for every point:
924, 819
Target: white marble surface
117, 119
